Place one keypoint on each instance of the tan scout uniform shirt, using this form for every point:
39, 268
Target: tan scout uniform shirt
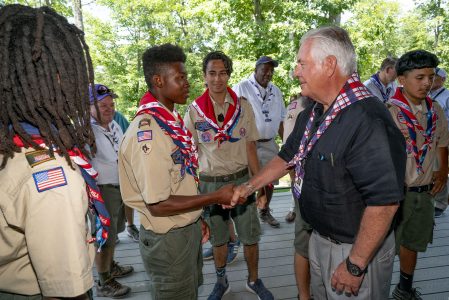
441, 139
226, 158
43, 248
293, 109
150, 171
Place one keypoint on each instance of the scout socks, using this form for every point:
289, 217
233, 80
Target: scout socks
104, 276
221, 275
405, 281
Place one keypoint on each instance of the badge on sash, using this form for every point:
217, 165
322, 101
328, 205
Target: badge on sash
49, 179
38, 157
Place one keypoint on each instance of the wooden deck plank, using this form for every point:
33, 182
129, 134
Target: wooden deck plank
276, 263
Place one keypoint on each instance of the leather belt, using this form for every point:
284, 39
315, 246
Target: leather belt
116, 186
263, 140
328, 238
224, 178
420, 189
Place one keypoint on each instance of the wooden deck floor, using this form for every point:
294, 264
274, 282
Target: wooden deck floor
276, 263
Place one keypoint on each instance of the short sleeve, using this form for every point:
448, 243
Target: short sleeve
189, 123
442, 129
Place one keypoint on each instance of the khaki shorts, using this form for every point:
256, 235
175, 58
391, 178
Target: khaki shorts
415, 222
173, 262
302, 233
114, 205
245, 217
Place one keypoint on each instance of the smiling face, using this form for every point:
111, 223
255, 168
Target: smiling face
417, 83
106, 111
264, 74
311, 75
216, 76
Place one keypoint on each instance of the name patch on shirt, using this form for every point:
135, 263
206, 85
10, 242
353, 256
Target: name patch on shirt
49, 179
202, 126
38, 157
144, 135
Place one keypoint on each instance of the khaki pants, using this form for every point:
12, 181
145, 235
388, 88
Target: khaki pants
173, 261
325, 256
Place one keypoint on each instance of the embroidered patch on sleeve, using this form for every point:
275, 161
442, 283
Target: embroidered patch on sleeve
144, 122
38, 157
49, 179
144, 135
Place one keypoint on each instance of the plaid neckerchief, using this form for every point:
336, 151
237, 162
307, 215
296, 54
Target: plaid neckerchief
172, 125
352, 91
203, 105
96, 202
412, 124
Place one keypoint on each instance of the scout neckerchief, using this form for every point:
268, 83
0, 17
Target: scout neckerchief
111, 134
96, 202
265, 102
203, 105
173, 126
352, 91
376, 80
412, 124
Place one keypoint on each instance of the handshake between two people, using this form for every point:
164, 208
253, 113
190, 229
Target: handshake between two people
231, 195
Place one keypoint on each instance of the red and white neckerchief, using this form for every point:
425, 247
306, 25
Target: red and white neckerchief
352, 91
203, 105
412, 124
172, 125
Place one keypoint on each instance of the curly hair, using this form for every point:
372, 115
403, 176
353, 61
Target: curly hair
45, 72
155, 59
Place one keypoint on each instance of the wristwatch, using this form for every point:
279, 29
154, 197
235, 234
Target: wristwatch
354, 269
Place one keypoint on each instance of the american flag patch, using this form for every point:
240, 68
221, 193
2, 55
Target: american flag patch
49, 179
144, 135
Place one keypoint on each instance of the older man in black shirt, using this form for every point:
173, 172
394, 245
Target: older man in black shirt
349, 161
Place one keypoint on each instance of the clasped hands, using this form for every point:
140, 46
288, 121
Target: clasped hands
239, 195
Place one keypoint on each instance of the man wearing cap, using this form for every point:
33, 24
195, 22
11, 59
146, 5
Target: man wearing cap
108, 135
269, 110
382, 83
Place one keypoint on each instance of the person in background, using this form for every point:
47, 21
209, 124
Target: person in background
382, 84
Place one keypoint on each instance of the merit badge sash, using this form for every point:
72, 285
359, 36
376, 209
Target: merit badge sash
52, 178
203, 105
173, 126
413, 125
352, 91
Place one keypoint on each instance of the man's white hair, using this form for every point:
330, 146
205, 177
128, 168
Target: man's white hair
332, 40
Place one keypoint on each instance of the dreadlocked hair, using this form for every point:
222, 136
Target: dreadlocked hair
45, 73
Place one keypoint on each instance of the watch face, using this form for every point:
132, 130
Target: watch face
353, 269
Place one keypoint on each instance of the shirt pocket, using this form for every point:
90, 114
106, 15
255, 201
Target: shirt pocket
177, 173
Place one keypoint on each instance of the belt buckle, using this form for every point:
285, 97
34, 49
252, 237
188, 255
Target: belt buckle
420, 189
226, 178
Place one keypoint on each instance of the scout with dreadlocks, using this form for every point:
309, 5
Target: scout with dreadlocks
157, 170
45, 72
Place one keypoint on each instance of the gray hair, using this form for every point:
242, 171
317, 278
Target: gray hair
332, 40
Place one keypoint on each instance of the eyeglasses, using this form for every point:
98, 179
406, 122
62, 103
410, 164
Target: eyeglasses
103, 90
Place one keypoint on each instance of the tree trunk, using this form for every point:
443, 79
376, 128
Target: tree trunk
78, 14
258, 12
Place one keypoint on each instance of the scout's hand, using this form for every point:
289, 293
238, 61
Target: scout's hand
344, 282
224, 195
261, 200
242, 192
439, 181
205, 231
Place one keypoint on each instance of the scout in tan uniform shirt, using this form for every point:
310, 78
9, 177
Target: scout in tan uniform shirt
43, 200
427, 139
157, 170
224, 128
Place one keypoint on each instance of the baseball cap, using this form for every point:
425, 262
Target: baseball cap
102, 92
440, 72
265, 60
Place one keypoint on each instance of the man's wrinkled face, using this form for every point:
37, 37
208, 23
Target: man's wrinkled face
106, 110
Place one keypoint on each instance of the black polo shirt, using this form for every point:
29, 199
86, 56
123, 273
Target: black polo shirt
358, 161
